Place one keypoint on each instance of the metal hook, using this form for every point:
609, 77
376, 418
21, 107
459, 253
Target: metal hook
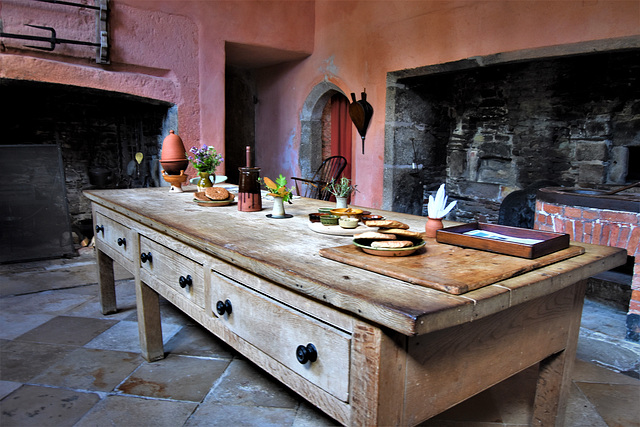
51, 40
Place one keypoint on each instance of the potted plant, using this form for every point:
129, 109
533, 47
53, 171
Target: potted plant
205, 160
280, 193
436, 210
341, 189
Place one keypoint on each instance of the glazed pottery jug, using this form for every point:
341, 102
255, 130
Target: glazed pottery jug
432, 225
205, 180
173, 158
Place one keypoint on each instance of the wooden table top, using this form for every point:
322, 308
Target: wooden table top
286, 251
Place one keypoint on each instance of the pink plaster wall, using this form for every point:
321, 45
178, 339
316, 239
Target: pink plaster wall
358, 42
175, 51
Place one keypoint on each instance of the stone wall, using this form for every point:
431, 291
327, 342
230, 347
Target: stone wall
489, 131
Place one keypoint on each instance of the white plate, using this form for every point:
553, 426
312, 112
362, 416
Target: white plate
219, 179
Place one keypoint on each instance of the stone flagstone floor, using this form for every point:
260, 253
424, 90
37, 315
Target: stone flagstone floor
62, 363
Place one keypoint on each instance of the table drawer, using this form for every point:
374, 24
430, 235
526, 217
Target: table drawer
180, 273
117, 236
279, 330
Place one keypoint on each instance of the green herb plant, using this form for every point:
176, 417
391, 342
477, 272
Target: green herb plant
341, 188
278, 188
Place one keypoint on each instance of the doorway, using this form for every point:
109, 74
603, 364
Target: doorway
336, 131
317, 141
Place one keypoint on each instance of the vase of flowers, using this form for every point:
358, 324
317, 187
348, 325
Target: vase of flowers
205, 160
341, 190
436, 210
280, 193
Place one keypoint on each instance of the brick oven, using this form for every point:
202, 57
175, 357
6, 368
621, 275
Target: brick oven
592, 216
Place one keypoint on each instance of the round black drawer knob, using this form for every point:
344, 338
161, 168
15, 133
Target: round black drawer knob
185, 281
122, 241
145, 257
99, 228
223, 307
306, 354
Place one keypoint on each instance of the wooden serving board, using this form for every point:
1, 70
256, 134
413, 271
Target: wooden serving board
447, 268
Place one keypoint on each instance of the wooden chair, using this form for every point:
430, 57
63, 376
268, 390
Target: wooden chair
314, 188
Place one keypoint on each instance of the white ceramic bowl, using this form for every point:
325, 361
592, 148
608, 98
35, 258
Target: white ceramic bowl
346, 222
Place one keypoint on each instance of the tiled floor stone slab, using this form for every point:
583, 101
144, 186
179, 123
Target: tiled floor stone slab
7, 387
45, 406
125, 300
90, 369
123, 336
21, 361
175, 377
245, 416
245, 384
616, 404
194, 340
49, 302
67, 330
13, 325
128, 411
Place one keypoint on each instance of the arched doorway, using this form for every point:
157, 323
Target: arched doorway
325, 129
336, 130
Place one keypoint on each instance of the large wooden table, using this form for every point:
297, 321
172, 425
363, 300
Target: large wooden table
388, 352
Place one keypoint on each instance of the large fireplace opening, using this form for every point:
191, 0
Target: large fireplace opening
489, 130
97, 135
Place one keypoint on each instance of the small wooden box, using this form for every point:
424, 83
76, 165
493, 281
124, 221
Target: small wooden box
548, 242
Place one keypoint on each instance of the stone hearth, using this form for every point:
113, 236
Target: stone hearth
493, 125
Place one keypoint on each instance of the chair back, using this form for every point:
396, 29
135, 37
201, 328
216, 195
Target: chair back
331, 168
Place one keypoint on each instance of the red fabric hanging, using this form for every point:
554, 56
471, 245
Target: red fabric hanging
341, 126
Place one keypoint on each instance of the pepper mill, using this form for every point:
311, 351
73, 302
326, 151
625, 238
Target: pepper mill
249, 195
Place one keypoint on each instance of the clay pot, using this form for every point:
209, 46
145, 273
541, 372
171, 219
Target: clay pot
173, 158
432, 225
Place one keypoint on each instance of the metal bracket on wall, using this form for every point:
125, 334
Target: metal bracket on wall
102, 36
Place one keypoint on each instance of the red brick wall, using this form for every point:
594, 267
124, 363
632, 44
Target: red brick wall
600, 227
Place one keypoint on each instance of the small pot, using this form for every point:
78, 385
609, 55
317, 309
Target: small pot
315, 217
329, 220
345, 222
432, 226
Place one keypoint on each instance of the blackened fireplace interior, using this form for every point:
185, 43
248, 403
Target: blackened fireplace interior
89, 139
488, 128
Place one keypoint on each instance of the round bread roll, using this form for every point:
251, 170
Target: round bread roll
201, 196
374, 235
386, 223
391, 244
401, 232
216, 193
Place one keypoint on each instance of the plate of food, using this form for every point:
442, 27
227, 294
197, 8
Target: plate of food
214, 196
392, 238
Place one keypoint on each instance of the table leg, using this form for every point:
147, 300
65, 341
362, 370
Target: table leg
106, 283
149, 326
554, 377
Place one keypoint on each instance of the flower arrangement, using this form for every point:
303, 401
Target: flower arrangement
341, 188
278, 188
205, 159
437, 208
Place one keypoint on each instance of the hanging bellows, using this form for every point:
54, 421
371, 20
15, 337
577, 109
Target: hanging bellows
361, 112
